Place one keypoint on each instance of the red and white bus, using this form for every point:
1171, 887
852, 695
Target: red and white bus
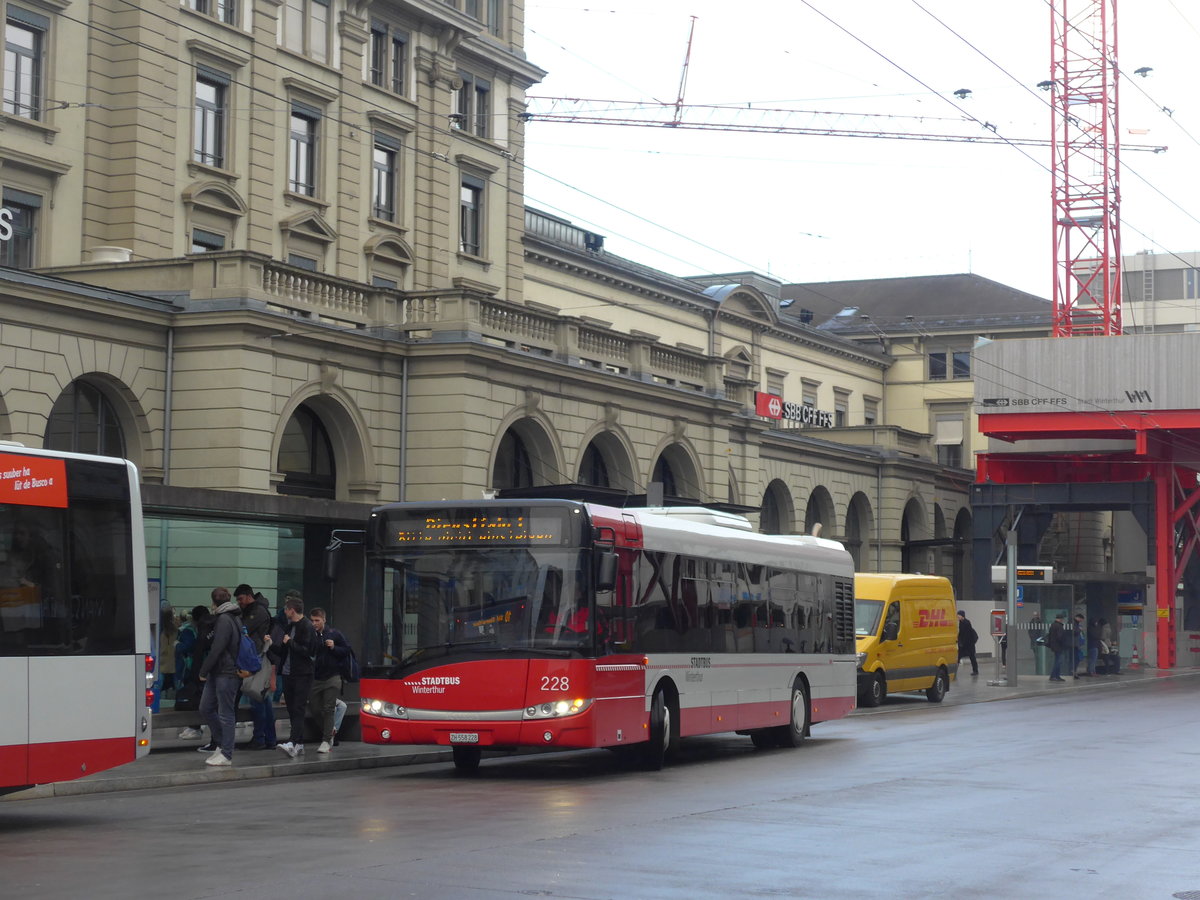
554, 623
75, 663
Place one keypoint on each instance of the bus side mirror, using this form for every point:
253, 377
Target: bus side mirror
606, 570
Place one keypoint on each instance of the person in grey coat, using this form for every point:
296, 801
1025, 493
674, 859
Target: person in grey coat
218, 673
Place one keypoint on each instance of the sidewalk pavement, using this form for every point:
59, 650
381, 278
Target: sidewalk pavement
182, 765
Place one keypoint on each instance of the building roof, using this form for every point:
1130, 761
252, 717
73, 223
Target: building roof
928, 301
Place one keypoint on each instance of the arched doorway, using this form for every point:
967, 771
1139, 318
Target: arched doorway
605, 462
525, 457
819, 511
778, 514
857, 537
677, 474
914, 552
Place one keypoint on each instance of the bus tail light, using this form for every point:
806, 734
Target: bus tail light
149, 670
149, 696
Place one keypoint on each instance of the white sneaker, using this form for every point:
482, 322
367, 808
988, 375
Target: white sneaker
214, 755
217, 759
285, 747
324, 748
189, 734
297, 750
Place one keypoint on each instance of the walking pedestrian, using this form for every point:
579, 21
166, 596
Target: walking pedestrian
297, 650
256, 619
332, 650
1058, 643
967, 639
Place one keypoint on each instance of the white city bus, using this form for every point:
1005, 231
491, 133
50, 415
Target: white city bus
75, 663
555, 623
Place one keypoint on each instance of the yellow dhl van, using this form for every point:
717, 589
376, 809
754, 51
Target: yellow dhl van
907, 633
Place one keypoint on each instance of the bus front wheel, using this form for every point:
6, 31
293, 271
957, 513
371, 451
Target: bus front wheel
661, 742
793, 734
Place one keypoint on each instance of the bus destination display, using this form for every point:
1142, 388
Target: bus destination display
476, 528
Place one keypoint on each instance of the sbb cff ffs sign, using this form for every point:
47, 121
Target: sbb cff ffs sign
772, 406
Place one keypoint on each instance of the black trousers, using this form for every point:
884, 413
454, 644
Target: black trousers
296, 689
969, 653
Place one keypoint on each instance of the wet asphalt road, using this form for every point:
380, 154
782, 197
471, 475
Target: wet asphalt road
1090, 795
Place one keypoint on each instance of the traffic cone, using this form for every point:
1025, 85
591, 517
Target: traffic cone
1135, 663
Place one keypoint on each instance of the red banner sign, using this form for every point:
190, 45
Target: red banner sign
33, 481
769, 405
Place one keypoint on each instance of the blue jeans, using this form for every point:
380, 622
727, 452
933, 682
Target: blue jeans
1056, 670
263, 716
218, 710
1093, 655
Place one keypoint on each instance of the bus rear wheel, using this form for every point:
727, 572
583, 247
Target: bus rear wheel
794, 733
466, 759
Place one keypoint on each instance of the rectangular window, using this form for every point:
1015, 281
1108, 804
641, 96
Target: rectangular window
19, 223
841, 409
388, 58
948, 439
937, 365
206, 241
473, 106
470, 221
1191, 284
870, 412
495, 19
24, 62
962, 363
472, 8
383, 178
302, 150
944, 364
208, 139
221, 10
306, 28
302, 262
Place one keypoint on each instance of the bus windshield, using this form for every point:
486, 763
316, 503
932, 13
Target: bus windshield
866, 616
485, 600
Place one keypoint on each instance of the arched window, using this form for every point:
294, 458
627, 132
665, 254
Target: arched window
593, 470
665, 474
513, 468
306, 456
83, 421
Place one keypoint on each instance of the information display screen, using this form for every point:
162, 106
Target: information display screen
477, 527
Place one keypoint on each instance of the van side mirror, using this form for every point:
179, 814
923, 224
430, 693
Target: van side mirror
606, 570
891, 631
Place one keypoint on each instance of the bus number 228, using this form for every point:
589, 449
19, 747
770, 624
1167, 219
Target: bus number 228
556, 683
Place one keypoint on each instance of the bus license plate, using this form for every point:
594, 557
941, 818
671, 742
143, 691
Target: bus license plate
464, 737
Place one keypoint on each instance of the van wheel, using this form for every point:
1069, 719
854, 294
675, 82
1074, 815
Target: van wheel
466, 759
794, 733
876, 691
936, 692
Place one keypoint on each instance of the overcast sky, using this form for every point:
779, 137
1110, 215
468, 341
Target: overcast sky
816, 208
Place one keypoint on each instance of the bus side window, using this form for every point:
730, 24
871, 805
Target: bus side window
891, 625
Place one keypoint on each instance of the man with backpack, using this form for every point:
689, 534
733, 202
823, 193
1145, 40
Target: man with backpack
967, 638
256, 619
219, 674
333, 651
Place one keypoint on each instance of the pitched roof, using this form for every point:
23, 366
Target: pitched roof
928, 300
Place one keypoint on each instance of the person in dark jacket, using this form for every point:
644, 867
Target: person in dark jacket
967, 638
256, 619
296, 653
332, 650
218, 703
1058, 643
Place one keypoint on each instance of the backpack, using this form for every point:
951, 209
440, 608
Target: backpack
248, 661
348, 668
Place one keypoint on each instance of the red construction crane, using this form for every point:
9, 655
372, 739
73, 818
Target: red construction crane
1086, 166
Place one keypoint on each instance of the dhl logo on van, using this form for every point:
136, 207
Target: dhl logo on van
928, 618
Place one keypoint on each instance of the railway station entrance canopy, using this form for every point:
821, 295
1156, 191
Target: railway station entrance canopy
1093, 423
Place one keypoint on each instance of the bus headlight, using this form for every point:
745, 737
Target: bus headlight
383, 708
555, 709
862, 658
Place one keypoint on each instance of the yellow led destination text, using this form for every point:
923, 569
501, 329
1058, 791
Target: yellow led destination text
478, 529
